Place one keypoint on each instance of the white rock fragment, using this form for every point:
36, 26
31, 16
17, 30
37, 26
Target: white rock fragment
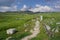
56, 30
26, 30
8, 38
34, 31
53, 29
58, 23
53, 18
31, 31
41, 18
25, 25
48, 27
11, 31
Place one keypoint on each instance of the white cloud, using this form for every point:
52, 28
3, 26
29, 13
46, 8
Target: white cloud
40, 8
57, 6
25, 8
6, 8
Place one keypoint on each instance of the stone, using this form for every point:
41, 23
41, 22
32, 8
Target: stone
53, 29
26, 30
58, 23
56, 30
31, 31
10, 38
48, 27
41, 18
11, 31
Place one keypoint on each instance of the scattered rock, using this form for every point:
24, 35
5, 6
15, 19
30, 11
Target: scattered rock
41, 18
8, 38
53, 29
31, 31
58, 23
25, 25
11, 31
56, 30
34, 32
48, 27
26, 30
53, 18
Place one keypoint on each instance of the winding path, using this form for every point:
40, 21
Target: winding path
34, 33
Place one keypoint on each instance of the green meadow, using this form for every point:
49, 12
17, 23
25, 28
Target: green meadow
23, 20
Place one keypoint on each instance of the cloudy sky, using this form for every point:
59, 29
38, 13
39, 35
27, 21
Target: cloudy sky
32, 5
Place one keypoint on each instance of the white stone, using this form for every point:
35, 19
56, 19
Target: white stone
58, 23
31, 31
25, 25
8, 38
41, 18
53, 29
11, 31
48, 27
56, 30
26, 30
53, 19
34, 31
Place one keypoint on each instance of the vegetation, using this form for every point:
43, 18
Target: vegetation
18, 19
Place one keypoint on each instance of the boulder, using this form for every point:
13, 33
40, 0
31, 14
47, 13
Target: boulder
11, 31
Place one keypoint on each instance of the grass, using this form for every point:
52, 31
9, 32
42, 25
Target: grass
17, 20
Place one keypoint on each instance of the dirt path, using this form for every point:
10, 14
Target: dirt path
36, 30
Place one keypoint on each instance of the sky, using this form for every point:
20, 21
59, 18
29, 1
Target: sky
31, 5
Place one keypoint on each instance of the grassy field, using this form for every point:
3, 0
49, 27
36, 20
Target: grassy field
17, 20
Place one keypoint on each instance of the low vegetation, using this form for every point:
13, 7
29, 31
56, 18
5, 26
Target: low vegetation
22, 21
